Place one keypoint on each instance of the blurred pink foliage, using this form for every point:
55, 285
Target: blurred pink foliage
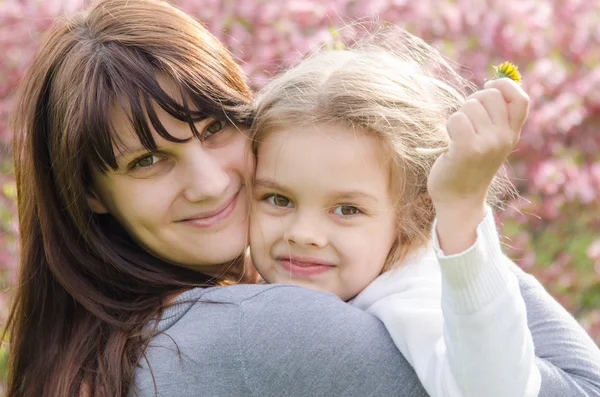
553, 231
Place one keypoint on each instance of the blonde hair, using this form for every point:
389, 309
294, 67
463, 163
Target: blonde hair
393, 86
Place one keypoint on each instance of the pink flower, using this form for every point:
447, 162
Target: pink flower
593, 252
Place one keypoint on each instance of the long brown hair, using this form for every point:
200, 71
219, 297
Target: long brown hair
85, 289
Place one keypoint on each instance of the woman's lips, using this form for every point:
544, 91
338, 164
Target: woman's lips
210, 218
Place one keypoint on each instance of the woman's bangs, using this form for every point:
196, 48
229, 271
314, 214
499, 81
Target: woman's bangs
135, 91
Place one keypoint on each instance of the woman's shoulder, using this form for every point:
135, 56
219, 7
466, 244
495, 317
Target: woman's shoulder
241, 337
248, 293
243, 302
243, 294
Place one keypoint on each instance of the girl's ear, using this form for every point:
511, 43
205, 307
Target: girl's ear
95, 204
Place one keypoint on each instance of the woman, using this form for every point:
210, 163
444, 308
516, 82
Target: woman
131, 163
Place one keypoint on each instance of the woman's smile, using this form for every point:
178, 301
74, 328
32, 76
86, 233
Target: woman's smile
207, 219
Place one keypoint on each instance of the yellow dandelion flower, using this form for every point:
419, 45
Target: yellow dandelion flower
507, 69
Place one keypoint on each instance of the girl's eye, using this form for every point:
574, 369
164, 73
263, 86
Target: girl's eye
279, 201
146, 161
213, 128
346, 210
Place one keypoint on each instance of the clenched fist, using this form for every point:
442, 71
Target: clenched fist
482, 135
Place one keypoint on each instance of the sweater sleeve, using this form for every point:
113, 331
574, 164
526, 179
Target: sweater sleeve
464, 330
566, 356
490, 349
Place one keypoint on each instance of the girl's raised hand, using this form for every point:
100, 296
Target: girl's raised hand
482, 135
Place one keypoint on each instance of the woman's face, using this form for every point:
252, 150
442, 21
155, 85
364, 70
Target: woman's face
186, 202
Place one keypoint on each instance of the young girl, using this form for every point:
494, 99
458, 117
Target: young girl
345, 202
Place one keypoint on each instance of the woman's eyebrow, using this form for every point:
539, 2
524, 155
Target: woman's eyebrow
129, 151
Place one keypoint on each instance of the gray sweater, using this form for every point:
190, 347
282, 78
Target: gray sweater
280, 340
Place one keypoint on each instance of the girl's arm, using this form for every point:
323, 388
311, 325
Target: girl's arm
565, 356
464, 328
481, 345
490, 350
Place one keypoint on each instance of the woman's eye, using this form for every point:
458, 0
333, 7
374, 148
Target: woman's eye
346, 210
213, 128
279, 201
146, 161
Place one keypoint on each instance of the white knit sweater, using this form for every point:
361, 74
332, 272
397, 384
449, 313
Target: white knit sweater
459, 320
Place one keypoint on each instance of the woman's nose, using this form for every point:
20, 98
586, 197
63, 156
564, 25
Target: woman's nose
206, 177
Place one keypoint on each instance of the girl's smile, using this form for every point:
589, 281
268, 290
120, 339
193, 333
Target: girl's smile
304, 266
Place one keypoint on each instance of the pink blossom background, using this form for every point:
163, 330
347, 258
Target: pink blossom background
553, 231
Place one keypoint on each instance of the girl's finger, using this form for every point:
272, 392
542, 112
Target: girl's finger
494, 104
460, 129
478, 115
517, 101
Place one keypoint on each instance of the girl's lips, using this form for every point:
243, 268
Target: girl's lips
303, 268
214, 217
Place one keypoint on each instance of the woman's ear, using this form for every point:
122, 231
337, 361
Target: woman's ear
95, 204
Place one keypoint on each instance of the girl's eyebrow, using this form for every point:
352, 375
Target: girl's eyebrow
268, 183
350, 195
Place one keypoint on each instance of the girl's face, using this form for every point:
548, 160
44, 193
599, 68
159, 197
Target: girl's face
185, 203
323, 215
